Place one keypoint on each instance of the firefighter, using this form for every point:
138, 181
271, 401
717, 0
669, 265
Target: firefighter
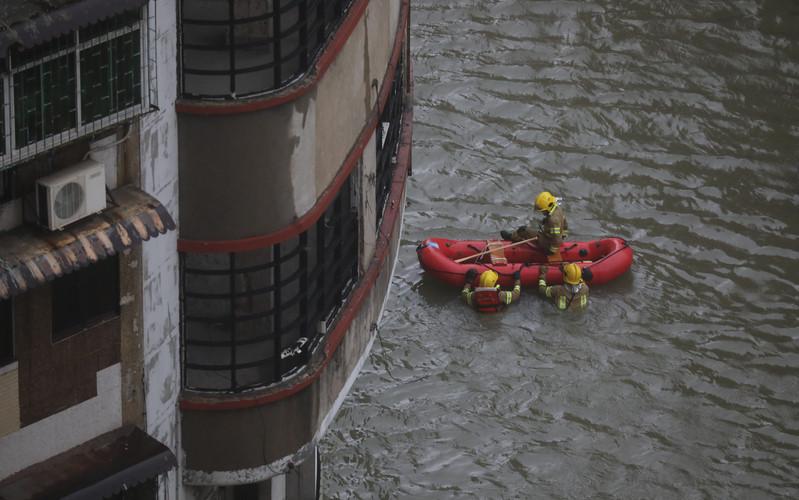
552, 229
488, 297
573, 294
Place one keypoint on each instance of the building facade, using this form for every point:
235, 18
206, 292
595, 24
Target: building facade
200, 208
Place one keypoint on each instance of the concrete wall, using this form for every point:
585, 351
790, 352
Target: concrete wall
253, 444
253, 173
55, 375
9, 399
158, 156
368, 203
143, 388
66, 429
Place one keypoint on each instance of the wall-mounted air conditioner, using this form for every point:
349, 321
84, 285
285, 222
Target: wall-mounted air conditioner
70, 194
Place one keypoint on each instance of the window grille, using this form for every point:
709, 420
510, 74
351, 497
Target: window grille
387, 136
77, 84
241, 48
250, 319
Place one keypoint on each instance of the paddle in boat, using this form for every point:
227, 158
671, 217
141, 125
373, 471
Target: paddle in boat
448, 260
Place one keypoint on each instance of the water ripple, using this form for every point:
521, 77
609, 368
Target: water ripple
672, 124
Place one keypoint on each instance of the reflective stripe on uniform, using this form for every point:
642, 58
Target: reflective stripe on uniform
467, 295
561, 302
555, 230
583, 300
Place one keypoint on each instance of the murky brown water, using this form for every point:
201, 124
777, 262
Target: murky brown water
674, 124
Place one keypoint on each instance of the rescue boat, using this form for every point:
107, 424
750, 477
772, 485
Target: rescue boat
448, 260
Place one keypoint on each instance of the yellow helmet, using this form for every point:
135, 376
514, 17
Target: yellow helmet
544, 202
572, 274
488, 279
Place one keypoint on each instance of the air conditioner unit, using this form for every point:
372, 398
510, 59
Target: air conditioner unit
70, 194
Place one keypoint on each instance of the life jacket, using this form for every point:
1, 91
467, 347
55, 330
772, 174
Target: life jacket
486, 300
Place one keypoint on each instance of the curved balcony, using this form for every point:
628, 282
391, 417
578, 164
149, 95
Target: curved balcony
241, 48
251, 318
290, 222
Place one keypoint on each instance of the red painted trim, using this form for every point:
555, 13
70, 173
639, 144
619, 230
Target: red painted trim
377, 264
329, 194
293, 91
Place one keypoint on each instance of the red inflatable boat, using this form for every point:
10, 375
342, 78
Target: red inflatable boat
606, 258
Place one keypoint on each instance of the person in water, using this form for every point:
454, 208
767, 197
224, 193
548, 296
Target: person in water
552, 229
488, 297
573, 294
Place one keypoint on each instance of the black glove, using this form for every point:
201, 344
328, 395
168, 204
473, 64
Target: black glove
517, 275
471, 274
505, 235
522, 229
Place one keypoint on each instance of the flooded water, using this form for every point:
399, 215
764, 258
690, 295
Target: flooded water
673, 124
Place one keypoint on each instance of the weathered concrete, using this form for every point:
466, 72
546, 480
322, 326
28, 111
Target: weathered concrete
9, 399
368, 217
253, 173
45, 438
158, 155
219, 452
130, 338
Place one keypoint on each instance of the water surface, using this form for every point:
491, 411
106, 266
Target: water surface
672, 124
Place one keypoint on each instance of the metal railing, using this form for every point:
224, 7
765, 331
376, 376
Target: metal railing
77, 84
250, 319
241, 48
387, 136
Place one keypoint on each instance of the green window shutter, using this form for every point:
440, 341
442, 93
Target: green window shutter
110, 77
44, 100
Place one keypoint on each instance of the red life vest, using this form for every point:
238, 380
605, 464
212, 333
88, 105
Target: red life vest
486, 300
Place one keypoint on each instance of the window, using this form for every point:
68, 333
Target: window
110, 76
387, 136
6, 332
252, 318
6, 185
239, 48
85, 298
73, 85
44, 100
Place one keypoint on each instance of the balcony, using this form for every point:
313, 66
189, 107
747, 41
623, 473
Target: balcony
234, 49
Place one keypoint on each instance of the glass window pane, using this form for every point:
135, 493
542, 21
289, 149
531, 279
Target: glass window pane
58, 85
127, 70
209, 10
110, 77
44, 100
28, 106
